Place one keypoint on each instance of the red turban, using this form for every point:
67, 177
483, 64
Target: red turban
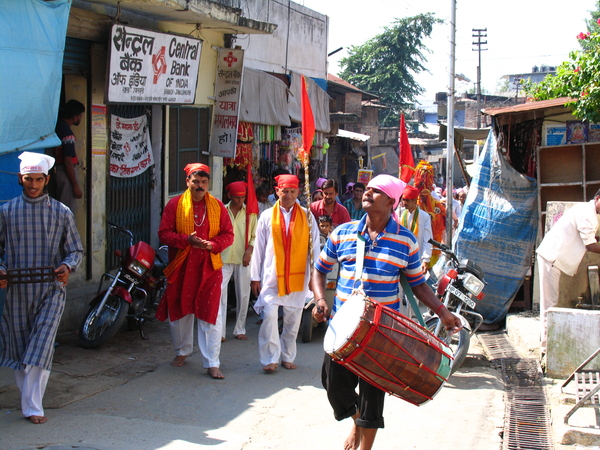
237, 188
287, 181
196, 167
410, 193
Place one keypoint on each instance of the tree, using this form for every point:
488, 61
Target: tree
577, 77
592, 25
386, 65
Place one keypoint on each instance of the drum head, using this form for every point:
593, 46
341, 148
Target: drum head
344, 323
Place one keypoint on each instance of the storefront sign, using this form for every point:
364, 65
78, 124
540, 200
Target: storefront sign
130, 147
228, 91
149, 67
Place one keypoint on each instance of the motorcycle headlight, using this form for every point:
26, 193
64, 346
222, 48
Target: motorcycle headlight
137, 267
473, 284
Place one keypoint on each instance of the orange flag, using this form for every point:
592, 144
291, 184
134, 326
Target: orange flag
406, 163
251, 201
308, 123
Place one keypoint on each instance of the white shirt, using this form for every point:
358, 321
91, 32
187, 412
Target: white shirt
565, 244
264, 269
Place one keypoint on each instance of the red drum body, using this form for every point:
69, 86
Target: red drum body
388, 350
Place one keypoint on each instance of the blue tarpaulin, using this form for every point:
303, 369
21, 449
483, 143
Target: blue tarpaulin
31, 51
498, 229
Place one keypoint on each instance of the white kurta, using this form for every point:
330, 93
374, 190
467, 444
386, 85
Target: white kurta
424, 234
565, 244
263, 267
562, 250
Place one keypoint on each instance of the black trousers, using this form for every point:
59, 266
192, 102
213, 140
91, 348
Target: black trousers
341, 384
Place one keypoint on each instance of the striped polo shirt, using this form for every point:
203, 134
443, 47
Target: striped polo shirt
393, 252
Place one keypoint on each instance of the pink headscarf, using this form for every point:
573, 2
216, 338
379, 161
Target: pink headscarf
390, 186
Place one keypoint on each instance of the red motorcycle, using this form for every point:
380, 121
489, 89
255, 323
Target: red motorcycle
133, 294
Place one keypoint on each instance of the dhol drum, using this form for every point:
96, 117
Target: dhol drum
388, 350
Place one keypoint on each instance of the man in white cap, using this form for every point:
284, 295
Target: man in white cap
390, 250
35, 231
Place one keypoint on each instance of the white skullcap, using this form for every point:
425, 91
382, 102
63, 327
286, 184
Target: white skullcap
35, 163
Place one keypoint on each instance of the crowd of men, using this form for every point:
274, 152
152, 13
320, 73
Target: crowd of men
280, 251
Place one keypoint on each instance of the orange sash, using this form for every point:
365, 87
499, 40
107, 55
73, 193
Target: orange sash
184, 224
290, 270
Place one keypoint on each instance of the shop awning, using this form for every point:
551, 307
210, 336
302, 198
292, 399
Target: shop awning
264, 99
33, 41
211, 14
353, 136
319, 101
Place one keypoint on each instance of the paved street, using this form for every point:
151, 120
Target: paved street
126, 396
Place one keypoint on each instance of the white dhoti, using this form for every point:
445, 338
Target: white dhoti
549, 289
32, 383
273, 348
209, 338
241, 275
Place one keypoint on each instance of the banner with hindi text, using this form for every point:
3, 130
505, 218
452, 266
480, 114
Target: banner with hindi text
228, 90
130, 147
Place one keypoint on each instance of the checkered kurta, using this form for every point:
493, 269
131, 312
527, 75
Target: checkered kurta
34, 233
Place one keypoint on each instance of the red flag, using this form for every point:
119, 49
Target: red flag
308, 123
251, 201
406, 163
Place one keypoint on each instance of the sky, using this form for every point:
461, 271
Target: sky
520, 34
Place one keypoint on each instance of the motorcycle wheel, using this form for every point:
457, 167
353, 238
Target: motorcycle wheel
458, 342
97, 329
306, 325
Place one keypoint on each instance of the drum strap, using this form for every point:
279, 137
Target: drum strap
411, 298
360, 257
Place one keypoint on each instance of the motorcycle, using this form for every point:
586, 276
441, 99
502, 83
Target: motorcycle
308, 323
459, 286
133, 294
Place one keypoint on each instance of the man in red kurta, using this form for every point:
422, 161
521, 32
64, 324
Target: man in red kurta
197, 228
328, 206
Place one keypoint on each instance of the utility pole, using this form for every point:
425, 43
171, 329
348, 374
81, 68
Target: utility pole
479, 33
450, 132
517, 84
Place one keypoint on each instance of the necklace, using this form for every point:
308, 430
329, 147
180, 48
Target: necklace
202, 221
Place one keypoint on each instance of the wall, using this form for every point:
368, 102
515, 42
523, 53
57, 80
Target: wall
299, 43
76, 88
572, 337
98, 170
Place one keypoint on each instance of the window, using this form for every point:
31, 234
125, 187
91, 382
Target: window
188, 142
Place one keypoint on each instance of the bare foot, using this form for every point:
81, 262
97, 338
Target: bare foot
215, 373
289, 365
352, 442
241, 337
223, 339
270, 368
38, 419
178, 361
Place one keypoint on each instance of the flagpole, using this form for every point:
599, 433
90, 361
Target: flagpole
450, 130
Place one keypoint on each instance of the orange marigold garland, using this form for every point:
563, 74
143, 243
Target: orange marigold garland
436, 209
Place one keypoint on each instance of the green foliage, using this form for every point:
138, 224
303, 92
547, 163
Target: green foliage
576, 78
386, 65
592, 25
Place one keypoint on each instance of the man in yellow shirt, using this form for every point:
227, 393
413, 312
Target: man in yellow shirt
236, 258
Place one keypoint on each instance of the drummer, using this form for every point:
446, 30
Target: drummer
390, 250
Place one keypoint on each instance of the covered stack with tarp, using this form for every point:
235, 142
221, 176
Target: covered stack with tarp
498, 229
